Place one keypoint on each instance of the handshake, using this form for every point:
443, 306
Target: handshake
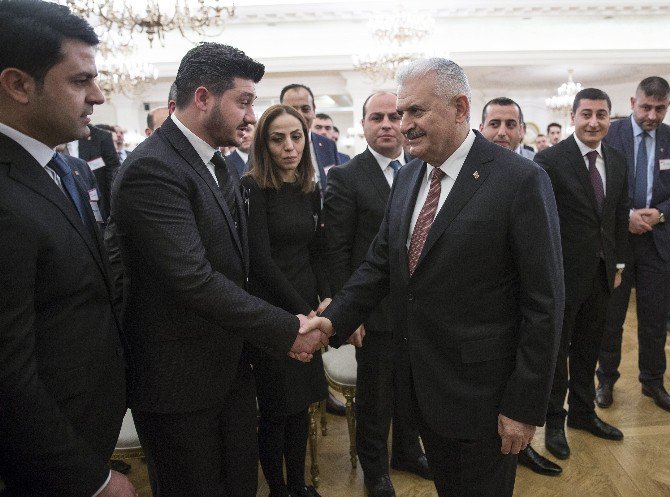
313, 334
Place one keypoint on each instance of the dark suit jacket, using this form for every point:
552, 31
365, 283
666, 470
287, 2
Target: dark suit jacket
584, 231
342, 158
620, 137
100, 144
234, 159
62, 387
187, 313
326, 156
354, 207
476, 328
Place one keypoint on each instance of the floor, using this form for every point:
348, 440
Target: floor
638, 466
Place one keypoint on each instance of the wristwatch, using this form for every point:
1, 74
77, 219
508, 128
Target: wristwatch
661, 218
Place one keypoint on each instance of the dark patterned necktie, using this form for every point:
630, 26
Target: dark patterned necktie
425, 219
225, 183
64, 171
596, 179
640, 193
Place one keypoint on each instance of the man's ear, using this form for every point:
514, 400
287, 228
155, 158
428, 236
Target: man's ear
462, 105
202, 97
17, 84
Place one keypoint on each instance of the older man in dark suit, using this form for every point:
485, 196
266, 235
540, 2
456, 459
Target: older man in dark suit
181, 227
469, 252
589, 181
62, 387
644, 141
354, 207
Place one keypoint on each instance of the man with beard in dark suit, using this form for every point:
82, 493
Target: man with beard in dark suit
62, 387
181, 226
469, 252
589, 182
354, 207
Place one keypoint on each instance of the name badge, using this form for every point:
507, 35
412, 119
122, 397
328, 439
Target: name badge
96, 163
96, 212
664, 164
93, 195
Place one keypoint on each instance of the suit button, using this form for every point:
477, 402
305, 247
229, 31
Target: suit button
119, 351
410, 297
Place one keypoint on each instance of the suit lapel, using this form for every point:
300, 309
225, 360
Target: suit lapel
610, 177
473, 174
24, 169
628, 143
177, 139
374, 173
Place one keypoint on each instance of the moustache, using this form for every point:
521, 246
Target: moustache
414, 133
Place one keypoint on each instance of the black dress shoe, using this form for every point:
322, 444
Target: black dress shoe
379, 487
334, 406
604, 396
535, 462
418, 466
119, 466
303, 492
596, 426
659, 394
556, 443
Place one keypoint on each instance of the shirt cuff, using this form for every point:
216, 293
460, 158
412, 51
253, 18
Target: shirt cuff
618, 266
109, 477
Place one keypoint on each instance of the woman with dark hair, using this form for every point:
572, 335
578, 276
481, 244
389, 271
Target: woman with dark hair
284, 208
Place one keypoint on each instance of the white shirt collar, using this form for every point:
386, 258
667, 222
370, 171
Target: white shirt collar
585, 149
202, 148
244, 155
385, 161
41, 152
452, 166
637, 130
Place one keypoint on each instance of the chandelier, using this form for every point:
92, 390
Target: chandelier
118, 72
562, 101
398, 36
155, 18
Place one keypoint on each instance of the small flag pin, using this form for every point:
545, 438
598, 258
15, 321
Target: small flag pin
476, 174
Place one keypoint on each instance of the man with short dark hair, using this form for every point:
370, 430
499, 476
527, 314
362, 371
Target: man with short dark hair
324, 150
239, 158
469, 253
554, 132
323, 125
541, 142
189, 320
354, 207
502, 122
156, 117
62, 386
589, 182
645, 142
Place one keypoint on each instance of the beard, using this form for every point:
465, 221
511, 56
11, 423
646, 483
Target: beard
217, 127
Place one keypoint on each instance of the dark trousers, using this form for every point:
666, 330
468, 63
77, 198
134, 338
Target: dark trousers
208, 453
283, 439
651, 277
583, 324
376, 404
466, 468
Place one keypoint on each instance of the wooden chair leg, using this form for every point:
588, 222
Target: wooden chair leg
349, 394
324, 418
314, 466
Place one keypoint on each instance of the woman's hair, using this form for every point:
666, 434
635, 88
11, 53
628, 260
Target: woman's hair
263, 169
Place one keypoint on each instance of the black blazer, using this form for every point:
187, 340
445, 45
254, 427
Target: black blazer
62, 387
354, 207
476, 328
100, 144
585, 232
620, 137
186, 311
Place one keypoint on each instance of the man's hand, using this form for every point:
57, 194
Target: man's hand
322, 306
617, 279
515, 435
638, 222
118, 486
651, 216
309, 339
356, 338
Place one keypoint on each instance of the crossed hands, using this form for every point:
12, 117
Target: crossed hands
515, 435
643, 220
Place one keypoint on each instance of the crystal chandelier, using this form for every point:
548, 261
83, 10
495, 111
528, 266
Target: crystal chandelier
118, 72
562, 101
155, 18
398, 36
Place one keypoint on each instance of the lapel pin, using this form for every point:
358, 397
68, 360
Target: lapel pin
476, 174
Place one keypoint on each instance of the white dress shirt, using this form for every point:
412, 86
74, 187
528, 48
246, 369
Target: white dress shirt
451, 167
384, 164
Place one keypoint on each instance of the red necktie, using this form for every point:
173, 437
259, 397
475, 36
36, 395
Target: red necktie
425, 219
596, 179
